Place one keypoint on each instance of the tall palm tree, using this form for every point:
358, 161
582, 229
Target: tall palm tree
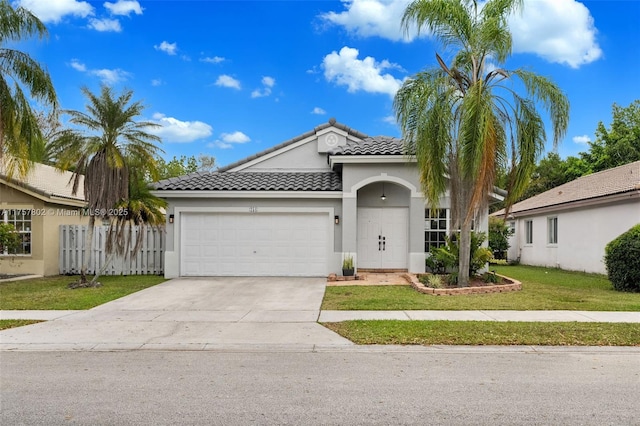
19, 130
465, 120
107, 142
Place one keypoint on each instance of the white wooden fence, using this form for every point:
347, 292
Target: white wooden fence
148, 261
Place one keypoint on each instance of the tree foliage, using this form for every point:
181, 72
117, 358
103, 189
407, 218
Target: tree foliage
185, 165
620, 143
464, 120
22, 79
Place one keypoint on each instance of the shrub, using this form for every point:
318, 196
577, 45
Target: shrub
9, 238
448, 255
622, 259
491, 277
499, 233
434, 281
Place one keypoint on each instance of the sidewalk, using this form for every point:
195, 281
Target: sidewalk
337, 316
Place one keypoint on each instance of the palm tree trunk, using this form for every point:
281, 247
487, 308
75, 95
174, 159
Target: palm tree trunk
464, 253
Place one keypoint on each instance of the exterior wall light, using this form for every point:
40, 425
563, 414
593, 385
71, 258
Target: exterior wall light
171, 218
336, 219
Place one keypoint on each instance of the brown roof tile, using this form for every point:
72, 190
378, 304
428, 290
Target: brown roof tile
607, 182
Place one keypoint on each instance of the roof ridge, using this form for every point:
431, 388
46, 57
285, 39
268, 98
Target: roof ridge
331, 123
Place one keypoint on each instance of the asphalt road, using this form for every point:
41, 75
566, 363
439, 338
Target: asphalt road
491, 386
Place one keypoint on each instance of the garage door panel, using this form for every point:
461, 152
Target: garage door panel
253, 245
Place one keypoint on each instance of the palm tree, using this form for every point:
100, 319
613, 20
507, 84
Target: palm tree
108, 142
466, 120
19, 130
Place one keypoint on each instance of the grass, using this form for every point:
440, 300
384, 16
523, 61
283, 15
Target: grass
51, 293
542, 289
394, 332
5, 324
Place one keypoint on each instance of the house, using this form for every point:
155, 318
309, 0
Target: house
570, 225
37, 205
298, 208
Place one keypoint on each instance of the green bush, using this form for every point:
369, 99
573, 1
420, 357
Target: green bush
446, 258
9, 238
622, 259
499, 233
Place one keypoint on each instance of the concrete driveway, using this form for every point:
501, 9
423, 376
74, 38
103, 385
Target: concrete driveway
194, 314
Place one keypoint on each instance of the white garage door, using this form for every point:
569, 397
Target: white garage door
261, 244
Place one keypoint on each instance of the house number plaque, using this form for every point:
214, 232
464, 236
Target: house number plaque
253, 210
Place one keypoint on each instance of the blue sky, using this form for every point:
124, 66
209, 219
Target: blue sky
231, 78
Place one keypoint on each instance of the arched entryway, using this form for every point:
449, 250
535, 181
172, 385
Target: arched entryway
383, 226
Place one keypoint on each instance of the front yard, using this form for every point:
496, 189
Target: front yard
51, 293
391, 332
542, 289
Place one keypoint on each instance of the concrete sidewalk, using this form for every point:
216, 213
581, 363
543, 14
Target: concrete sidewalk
331, 316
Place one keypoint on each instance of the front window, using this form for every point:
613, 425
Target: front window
436, 227
528, 225
21, 221
552, 226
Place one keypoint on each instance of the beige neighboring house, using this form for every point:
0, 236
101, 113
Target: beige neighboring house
570, 225
37, 205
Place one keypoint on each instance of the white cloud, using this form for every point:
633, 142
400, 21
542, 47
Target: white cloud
55, 10
111, 77
174, 130
560, 31
235, 137
227, 81
168, 48
107, 76
367, 18
105, 25
584, 139
390, 119
213, 60
267, 83
227, 140
157, 82
124, 7
345, 69
318, 111
78, 66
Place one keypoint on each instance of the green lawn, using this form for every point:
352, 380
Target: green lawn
52, 292
394, 332
542, 289
5, 324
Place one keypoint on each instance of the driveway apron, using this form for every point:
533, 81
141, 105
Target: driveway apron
193, 314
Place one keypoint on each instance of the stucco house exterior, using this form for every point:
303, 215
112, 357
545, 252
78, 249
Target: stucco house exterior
37, 205
298, 208
570, 225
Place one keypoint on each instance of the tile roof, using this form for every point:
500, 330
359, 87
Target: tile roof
618, 180
253, 181
331, 123
47, 181
378, 145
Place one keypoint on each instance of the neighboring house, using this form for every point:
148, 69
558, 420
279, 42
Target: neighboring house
570, 225
299, 207
37, 205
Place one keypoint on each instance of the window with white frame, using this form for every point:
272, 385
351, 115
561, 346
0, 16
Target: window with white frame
436, 227
21, 221
552, 228
528, 232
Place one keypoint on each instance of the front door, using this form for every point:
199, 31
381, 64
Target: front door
382, 238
